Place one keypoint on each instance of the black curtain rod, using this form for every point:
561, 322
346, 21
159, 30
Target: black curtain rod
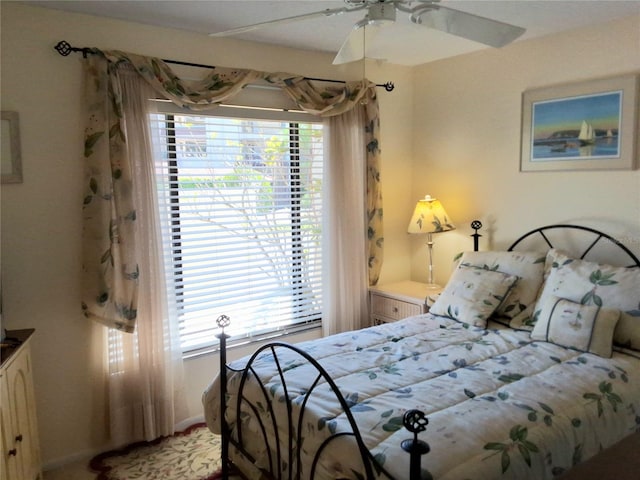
64, 49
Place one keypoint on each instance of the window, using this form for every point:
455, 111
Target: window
243, 208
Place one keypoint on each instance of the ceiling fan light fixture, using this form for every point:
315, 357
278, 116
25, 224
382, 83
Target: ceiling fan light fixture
356, 45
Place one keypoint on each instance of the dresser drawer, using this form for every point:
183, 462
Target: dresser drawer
392, 308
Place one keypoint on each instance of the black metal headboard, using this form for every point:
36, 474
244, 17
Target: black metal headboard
599, 238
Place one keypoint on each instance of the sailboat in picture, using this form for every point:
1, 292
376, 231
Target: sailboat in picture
587, 134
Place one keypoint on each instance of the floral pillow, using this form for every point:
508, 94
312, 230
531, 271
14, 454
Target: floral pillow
602, 285
527, 266
473, 294
588, 328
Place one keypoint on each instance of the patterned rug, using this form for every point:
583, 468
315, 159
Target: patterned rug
193, 454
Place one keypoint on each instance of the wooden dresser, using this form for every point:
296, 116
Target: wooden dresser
19, 443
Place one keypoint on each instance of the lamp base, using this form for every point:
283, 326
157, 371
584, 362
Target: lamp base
433, 286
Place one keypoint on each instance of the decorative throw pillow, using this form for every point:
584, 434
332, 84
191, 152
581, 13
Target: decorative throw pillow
602, 285
527, 266
473, 294
588, 328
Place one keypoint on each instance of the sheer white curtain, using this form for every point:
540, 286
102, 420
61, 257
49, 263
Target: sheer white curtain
146, 392
345, 247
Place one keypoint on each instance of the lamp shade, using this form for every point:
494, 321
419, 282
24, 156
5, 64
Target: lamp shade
429, 216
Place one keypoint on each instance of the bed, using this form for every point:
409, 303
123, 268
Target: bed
526, 365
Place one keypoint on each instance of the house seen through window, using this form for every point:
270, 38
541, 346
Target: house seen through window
242, 207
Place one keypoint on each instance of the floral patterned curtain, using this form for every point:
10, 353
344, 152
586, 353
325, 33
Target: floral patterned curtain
110, 269
110, 279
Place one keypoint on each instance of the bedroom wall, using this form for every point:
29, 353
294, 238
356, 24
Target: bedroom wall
466, 143
41, 217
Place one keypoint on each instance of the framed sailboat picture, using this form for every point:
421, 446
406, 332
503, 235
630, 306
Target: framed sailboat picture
589, 125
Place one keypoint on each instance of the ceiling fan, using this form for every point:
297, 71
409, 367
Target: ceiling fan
379, 13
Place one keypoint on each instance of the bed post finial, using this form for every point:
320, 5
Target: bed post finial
223, 321
415, 421
476, 225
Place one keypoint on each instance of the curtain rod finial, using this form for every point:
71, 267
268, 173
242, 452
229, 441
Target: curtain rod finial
63, 48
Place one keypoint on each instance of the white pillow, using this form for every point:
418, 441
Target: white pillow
527, 266
588, 328
473, 294
602, 285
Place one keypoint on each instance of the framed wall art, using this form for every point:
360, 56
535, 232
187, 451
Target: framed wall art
590, 125
10, 157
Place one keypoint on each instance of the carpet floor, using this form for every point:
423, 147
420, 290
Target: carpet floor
193, 454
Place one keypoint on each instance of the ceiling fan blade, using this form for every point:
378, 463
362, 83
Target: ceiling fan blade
281, 21
467, 25
353, 48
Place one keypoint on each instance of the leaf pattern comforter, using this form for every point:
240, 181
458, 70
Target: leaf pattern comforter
500, 406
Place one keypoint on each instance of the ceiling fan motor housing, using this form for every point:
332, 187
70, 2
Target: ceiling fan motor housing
381, 13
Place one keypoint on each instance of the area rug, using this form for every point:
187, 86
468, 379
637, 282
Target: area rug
193, 454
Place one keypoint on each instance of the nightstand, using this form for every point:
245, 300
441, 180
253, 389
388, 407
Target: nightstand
395, 301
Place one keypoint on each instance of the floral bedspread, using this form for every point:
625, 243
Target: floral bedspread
500, 406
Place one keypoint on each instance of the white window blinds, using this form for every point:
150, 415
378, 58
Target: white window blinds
241, 199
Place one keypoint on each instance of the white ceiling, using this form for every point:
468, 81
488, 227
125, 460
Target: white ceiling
401, 43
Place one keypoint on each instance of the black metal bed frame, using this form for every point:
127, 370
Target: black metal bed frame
598, 234
414, 421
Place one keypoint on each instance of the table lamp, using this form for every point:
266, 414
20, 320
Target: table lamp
430, 217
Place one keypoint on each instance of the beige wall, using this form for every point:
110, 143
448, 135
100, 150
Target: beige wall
467, 143
41, 217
